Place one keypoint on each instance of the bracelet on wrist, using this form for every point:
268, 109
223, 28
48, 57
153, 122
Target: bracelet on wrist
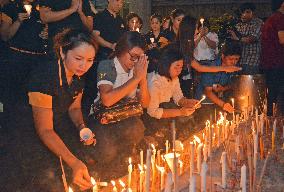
81, 126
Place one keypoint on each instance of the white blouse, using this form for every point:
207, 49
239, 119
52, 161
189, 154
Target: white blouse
162, 90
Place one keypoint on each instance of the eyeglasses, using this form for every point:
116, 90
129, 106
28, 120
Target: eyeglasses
133, 58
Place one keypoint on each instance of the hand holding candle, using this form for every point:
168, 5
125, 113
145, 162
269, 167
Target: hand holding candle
199, 102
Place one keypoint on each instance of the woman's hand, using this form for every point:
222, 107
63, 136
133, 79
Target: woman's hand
190, 103
231, 69
185, 111
228, 107
22, 17
81, 175
141, 67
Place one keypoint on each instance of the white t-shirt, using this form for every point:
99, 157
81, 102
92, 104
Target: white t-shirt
121, 77
202, 51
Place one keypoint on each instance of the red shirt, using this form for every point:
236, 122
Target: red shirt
272, 50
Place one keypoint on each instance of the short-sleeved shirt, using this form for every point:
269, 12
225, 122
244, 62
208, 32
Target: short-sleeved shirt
72, 21
209, 79
111, 29
48, 88
162, 90
272, 50
27, 36
250, 52
202, 51
110, 72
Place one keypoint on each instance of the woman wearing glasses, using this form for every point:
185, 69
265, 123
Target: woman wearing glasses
119, 79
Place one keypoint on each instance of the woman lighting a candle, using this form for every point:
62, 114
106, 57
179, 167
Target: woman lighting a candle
56, 88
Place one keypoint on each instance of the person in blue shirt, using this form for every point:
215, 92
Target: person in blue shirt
213, 85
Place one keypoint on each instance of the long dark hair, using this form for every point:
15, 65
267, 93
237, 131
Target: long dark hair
185, 38
175, 13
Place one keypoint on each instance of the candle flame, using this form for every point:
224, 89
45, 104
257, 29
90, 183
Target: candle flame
113, 183
140, 167
145, 167
129, 160
70, 189
153, 146
93, 181
121, 183
197, 139
180, 163
201, 20
161, 169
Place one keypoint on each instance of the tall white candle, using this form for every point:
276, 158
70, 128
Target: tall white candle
223, 161
192, 184
233, 104
204, 169
191, 158
141, 177
243, 183
162, 170
261, 123
256, 120
129, 172
141, 158
255, 147
167, 146
205, 152
274, 127
199, 157
148, 167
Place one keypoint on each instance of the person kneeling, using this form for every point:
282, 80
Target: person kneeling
167, 100
118, 80
214, 85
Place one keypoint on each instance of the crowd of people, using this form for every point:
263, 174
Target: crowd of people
59, 57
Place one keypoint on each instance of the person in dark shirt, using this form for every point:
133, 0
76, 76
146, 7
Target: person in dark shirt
134, 22
56, 88
272, 59
65, 14
108, 28
176, 17
214, 83
21, 30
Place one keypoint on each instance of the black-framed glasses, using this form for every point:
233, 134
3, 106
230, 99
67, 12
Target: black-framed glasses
133, 58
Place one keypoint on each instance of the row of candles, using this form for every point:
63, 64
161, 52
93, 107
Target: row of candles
213, 136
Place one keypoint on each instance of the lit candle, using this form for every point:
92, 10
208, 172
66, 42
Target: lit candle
205, 152
148, 167
233, 104
274, 127
162, 170
141, 158
256, 120
70, 189
28, 9
223, 161
199, 159
122, 184
255, 148
204, 168
167, 146
202, 21
192, 182
191, 158
152, 40
129, 172
261, 123
141, 178
180, 167
114, 189
243, 182
200, 101
95, 186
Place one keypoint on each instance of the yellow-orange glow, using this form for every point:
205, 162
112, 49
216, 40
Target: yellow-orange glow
121, 183
197, 139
